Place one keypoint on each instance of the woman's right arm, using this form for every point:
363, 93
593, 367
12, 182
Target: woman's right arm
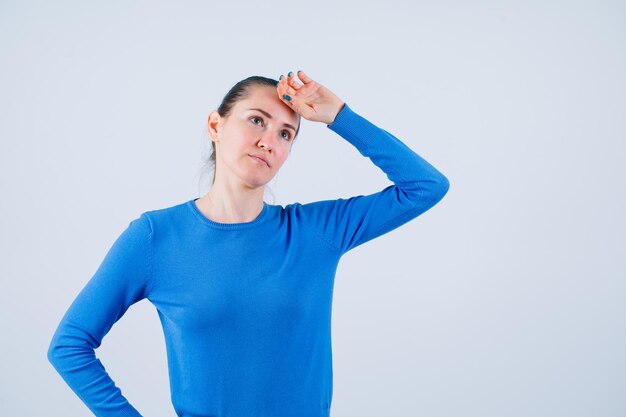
122, 279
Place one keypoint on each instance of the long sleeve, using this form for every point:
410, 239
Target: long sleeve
122, 279
417, 186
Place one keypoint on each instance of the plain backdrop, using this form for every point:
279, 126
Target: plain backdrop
505, 299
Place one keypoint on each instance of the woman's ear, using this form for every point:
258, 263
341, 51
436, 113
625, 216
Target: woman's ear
214, 125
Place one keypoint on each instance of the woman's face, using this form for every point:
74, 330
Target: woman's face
259, 125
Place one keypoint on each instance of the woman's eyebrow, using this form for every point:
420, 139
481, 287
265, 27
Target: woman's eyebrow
269, 116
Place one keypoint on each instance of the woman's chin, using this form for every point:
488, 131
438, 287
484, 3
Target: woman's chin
257, 180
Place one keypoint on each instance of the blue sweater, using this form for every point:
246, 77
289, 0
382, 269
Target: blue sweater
245, 307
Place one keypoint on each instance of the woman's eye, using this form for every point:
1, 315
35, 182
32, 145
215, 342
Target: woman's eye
287, 136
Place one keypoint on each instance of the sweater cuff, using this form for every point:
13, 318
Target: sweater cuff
354, 128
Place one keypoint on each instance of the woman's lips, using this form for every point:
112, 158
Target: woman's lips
259, 160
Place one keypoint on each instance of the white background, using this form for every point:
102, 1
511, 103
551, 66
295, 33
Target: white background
505, 299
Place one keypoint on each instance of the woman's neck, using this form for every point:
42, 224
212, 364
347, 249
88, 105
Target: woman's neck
228, 208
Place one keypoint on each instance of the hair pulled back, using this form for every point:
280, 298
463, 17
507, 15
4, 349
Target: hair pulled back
240, 91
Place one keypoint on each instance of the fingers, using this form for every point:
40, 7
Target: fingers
291, 79
299, 107
284, 87
304, 78
289, 86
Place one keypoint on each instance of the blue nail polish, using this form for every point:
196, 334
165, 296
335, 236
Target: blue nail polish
281, 77
286, 97
289, 75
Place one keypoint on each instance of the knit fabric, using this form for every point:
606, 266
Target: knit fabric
245, 307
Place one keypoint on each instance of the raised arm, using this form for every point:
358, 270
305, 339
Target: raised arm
347, 223
122, 279
417, 186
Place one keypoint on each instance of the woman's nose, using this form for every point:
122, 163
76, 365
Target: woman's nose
268, 139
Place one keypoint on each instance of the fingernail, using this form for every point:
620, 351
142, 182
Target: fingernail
299, 71
281, 77
286, 97
289, 75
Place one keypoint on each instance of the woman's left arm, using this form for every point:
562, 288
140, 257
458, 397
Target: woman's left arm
417, 185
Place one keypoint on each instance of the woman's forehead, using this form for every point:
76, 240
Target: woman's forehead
270, 104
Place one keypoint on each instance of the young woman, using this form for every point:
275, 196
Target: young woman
243, 288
